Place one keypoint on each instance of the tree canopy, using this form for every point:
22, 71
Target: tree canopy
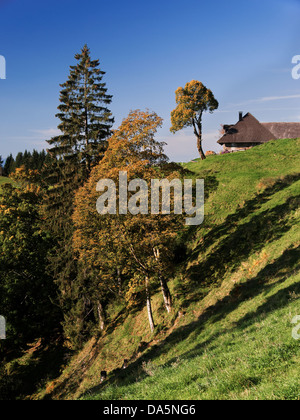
136, 248
85, 125
26, 290
192, 101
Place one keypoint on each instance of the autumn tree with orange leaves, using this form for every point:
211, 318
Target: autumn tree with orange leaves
126, 252
192, 101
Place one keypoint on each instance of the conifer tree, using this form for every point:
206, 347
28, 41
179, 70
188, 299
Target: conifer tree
85, 119
19, 160
9, 165
85, 124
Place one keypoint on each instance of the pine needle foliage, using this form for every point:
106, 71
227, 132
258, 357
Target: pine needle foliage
85, 125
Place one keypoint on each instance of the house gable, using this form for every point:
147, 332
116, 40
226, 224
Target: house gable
249, 132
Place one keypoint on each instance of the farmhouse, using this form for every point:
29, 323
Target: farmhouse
249, 132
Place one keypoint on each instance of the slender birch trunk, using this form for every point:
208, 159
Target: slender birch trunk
164, 285
149, 307
166, 293
101, 316
119, 281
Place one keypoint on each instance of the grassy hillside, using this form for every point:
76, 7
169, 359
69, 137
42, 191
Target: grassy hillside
230, 333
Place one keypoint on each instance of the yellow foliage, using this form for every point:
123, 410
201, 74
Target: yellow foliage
192, 101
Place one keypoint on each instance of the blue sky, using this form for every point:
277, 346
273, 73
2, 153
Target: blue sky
240, 50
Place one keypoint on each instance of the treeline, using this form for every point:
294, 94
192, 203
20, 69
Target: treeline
61, 262
30, 160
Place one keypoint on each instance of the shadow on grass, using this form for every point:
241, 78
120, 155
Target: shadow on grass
236, 241
278, 271
25, 379
269, 277
249, 207
241, 241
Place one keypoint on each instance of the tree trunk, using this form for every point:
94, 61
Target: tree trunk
164, 285
88, 157
199, 147
166, 293
101, 316
149, 308
119, 281
198, 133
103, 376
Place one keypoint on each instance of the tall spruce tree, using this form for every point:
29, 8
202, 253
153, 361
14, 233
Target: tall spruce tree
85, 119
85, 125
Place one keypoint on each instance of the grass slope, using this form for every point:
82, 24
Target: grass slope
230, 334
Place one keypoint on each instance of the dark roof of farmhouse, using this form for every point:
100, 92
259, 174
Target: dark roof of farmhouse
249, 130
284, 130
